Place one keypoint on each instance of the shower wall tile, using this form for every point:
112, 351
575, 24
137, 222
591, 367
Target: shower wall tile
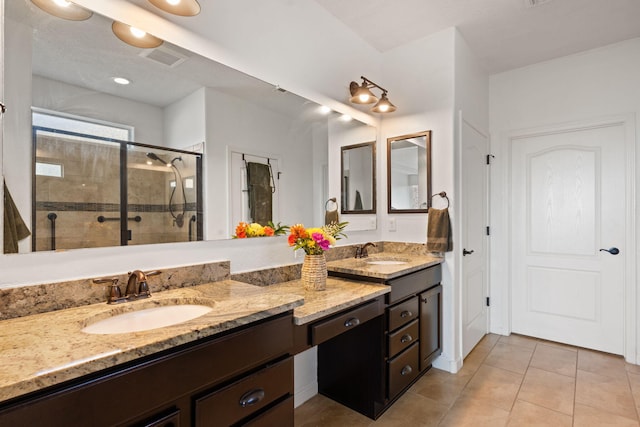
27, 300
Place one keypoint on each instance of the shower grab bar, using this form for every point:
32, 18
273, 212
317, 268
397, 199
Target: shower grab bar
136, 218
52, 217
191, 221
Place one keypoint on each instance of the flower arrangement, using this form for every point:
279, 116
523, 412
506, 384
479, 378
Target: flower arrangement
245, 230
315, 241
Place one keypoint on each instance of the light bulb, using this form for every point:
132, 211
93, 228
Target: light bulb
384, 108
137, 32
173, 2
363, 97
62, 3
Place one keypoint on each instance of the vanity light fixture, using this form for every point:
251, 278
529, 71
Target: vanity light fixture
361, 94
135, 36
64, 9
178, 7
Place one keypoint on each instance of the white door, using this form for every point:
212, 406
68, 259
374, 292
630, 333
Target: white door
568, 203
474, 242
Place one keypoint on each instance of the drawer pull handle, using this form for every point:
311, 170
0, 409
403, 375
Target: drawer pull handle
406, 313
406, 370
406, 338
354, 321
252, 397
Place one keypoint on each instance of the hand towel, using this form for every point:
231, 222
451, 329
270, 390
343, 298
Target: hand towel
331, 216
439, 231
14, 227
357, 206
260, 192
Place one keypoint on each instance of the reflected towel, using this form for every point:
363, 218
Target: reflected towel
260, 192
357, 206
14, 227
439, 231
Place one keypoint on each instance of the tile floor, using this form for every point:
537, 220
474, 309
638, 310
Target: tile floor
507, 381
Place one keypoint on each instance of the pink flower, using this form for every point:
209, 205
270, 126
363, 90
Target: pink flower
321, 241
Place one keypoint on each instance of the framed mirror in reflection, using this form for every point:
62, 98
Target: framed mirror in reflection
176, 102
409, 173
358, 178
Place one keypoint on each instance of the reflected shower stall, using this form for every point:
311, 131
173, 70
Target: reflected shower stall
91, 191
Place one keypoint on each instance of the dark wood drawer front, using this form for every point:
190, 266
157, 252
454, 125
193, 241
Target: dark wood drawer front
327, 329
414, 283
242, 398
280, 415
403, 313
403, 338
403, 369
170, 420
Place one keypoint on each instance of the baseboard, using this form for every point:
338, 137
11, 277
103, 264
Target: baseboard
444, 363
305, 393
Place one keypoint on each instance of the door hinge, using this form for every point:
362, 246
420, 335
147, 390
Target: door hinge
488, 231
489, 157
488, 302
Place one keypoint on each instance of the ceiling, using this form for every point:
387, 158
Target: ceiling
504, 34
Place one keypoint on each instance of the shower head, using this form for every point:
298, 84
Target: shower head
154, 156
173, 161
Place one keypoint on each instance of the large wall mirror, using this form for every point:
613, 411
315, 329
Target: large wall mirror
409, 173
178, 109
358, 178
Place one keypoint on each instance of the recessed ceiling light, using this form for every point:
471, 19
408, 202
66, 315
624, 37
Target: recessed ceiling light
178, 7
135, 36
63, 9
121, 80
324, 109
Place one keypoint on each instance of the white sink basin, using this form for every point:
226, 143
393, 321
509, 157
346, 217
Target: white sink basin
147, 319
386, 262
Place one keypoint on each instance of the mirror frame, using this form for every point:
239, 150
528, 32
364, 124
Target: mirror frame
371, 144
390, 141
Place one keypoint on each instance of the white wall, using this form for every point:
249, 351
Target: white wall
590, 85
184, 121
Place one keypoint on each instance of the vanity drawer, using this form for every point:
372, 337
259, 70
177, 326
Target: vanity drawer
413, 283
280, 415
403, 313
246, 396
403, 369
342, 322
403, 338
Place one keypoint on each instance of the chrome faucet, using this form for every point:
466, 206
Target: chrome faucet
361, 251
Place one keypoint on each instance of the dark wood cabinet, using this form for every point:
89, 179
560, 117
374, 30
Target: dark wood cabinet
412, 339
208, 382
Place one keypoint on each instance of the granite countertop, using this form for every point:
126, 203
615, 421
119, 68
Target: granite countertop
41, 350
407, 263
339, 295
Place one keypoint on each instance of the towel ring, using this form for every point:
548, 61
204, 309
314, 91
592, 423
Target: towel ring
333, 199
442, 194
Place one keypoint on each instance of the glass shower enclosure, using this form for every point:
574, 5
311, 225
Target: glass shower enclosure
92, 191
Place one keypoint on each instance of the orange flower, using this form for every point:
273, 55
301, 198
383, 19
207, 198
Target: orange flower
268, 231
241, 230
291, 239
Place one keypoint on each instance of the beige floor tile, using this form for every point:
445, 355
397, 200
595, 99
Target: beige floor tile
520, 340
469, 412
488, 341
601, 363
558, 345
530, 415
548, 389
439, 388
634, 382
586, 416
412, 410
634, 369
510, 357
555, 359
494, 386
610, 394
322, 411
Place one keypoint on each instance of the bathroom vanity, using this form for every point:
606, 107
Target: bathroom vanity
410, 334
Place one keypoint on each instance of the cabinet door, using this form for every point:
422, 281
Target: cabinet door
430, 326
